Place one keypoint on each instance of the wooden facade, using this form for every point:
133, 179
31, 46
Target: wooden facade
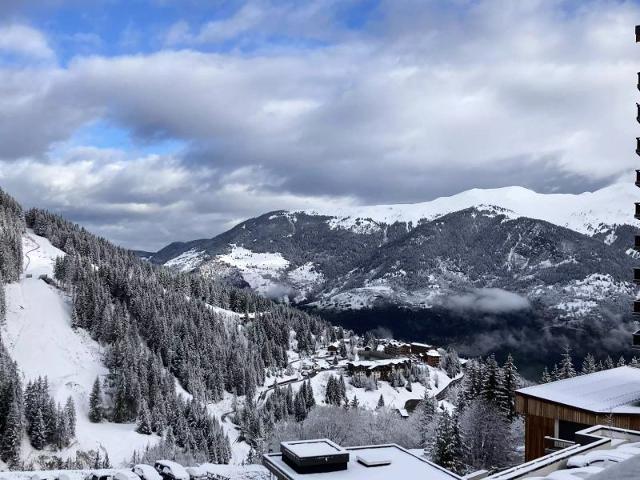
541, 416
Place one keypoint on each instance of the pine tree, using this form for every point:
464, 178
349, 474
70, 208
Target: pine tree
96, 413
566, 368
621, 362
70, 412
447, 446
510, 383
355, 404
589, 365
426, 410
38, 431
380, 402
144, 420
12, 436
608, 363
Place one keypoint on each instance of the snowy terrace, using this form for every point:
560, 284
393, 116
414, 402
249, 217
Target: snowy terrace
601, 453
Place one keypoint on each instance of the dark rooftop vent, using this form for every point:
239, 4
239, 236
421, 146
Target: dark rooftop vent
314, 456
371, 460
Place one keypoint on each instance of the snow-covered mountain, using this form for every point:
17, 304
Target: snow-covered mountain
333, 257
482, 252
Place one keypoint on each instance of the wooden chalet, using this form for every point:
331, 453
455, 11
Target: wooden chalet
555, 411
379, 369
395, 349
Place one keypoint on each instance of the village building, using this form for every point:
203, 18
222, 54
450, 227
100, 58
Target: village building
323, 459
396, 349
555, 411
379, 369
420, 348
433, 358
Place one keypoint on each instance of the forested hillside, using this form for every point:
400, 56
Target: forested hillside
157, 328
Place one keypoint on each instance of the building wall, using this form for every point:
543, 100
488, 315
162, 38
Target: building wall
540, 416
536, 428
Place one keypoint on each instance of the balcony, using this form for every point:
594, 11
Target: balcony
636, 340
552, 444
637, 175
637, 214
636, 245
638, 110
636, 275
636, 307
637, 146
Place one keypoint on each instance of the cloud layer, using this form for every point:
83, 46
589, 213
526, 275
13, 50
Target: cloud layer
283, 107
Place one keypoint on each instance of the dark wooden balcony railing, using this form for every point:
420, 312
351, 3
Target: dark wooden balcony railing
636, 275
636, 307
637, 214
636, 340
636, 244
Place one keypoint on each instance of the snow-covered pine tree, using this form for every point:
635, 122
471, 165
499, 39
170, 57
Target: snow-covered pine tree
589, 365
70, 412
566, 368
380, 402
96, 413
144, 423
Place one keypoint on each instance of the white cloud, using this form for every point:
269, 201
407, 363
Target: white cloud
424, 102
24, 41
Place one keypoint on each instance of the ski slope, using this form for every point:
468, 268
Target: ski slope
39, 337
584, 212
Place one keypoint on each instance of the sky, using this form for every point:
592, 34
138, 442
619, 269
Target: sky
152, 121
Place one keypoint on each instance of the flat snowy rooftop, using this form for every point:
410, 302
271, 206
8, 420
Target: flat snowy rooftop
313, 448
403, 466
610, 391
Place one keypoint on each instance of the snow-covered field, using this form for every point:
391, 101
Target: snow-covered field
38, 335
258, 269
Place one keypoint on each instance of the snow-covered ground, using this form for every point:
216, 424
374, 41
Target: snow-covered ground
39, 337
188, 260
585, 212
258, 269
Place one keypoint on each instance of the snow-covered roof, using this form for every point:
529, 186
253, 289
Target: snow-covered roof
418, 344
126, 475
402, 465
609, 391
313, 448
433, 353
370, 364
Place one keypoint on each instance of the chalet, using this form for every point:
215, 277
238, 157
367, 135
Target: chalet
323, 459
555, 411
333, 348
420, 348
379, 369
433, 358
395, 349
